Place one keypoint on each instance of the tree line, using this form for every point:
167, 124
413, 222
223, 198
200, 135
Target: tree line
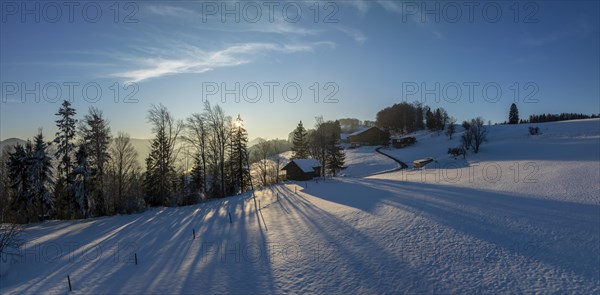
513, 117
406, 117
85, 171
558, 117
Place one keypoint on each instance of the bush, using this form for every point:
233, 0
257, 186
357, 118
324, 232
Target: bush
457, 151
534, 130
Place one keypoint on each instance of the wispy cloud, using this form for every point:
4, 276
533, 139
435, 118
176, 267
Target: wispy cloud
194, 60
266, 25
390, 6
355, 34
275, 25
361, 6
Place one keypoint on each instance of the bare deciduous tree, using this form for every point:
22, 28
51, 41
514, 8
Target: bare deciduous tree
196, 135
123, 167
10, 237
451, 129
219, 128
479, 133
263, 151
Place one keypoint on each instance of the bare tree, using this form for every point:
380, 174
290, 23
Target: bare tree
196, 135
263, 151
451, 129
479, 133
219, 136
124, 168
277, 146
10, 237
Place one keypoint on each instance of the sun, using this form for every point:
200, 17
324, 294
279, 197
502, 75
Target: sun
238, 122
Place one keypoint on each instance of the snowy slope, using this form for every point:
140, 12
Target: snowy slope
364, 161
399, 232
562, 163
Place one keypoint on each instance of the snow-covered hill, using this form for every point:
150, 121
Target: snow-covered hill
364, 161
453, 227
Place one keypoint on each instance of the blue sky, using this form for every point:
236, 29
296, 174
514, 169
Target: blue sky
365, 55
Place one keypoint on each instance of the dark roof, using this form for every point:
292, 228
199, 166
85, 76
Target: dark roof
360, 131
306, 165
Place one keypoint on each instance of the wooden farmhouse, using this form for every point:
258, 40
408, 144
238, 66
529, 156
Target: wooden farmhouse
403, 142
367, 136
302, 169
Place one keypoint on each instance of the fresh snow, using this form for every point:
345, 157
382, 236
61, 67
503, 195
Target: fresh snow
359, 131
307, 165
522, 216
364, 161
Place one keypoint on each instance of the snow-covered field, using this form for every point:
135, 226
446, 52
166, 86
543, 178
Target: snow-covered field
364, 161
522, 216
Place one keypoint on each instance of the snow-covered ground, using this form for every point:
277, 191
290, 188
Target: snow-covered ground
364, 161
456, 226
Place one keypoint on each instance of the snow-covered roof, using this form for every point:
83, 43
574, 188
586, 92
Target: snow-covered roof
359, 131
307, 165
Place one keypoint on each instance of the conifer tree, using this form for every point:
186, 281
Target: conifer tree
81, 184
300, 143
430, 122
335, 156
96, 136
239, 157
65, 147
20, 180
41, 173
513, 114
439, 120
160, 174
64, 140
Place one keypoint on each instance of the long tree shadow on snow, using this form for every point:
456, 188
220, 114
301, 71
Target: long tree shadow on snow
364, 272
162, 240
563, 234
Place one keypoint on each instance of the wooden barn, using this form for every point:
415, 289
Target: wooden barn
403, 142
302, 169
368, 136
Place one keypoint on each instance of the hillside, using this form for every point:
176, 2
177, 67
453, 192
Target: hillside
10, 142
455, 226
